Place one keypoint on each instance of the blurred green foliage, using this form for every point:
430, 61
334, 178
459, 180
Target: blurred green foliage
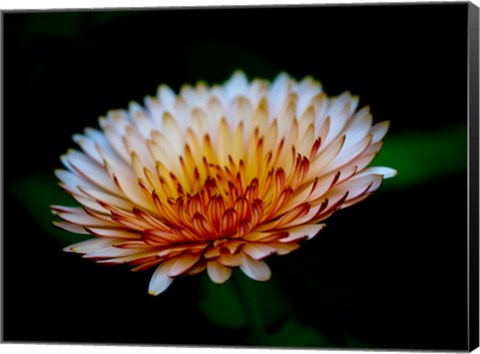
420, 156
221, 304
36, 193
295, 334
242, 303
227, 301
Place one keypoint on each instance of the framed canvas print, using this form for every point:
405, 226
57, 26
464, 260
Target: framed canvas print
253, 176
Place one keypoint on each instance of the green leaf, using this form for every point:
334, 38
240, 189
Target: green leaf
221, 304
36, 193
295, 334
226, 307
421, 156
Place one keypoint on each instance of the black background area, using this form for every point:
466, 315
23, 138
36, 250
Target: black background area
390, 273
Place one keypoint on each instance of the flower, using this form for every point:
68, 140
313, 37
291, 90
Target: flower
220, 177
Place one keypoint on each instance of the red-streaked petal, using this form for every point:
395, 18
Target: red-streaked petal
183, 263
258, 236
80, 217
107, 198
89, 170
355, 186
158, 237
113, 233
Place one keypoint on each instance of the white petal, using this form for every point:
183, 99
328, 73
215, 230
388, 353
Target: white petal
111, 252
155, 110
88, 146
361, 161
80, 217
348, 154
200, 122
172, 133
89, 142
72, 181
132, 190
240, 110
339, 115
113, 233
355, 186
91, 245
107, 198
258, 90
324, 158
237, 85
379, 130
160, 280
135, 143
215, 114
117, 120
323, 185
308, 218
187, 93
387, 172
299, 197
116, 141
98, 137
88, 169
182, 114
162, 151
128, 258
278, 93
224, 141
307, 89
357, 130
183, 263
255, 269
285, 248
77, 229
303, 231
144, 124
320, 104
218, 273
92, 205
167, 97
337, 104
258, 250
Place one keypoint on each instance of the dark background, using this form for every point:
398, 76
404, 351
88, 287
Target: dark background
388, 273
